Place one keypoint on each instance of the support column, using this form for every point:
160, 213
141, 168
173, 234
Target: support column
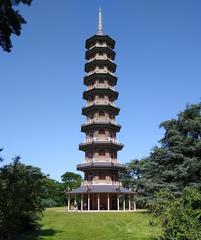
75, 203
98, 202
88, 201
118, 202
124, 204
129, 203
68, 202
81, 202
108, 202
134, 203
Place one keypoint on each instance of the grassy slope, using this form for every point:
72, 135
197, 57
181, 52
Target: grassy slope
95, 226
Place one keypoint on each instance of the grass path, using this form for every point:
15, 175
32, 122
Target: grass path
58, 225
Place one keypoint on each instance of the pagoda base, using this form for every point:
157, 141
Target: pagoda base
101, 198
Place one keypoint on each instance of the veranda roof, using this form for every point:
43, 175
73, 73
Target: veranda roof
101, 189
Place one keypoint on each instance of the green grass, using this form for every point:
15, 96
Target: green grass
60, 225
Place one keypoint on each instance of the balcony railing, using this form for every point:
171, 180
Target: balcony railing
100, 102
105, 159
100, 120
100, 139
105, 86
100, 71
97, 182
100, 58
99, 45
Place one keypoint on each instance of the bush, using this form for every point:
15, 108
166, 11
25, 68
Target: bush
179, 216
48, 203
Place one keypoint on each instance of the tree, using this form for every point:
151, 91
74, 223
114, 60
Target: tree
10, 21
54, 193
22, 190
179, 216
1, 159
71, 180
176, 163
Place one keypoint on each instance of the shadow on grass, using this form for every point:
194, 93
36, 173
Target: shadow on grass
39, 234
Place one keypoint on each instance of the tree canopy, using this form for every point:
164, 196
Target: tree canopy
71, 180
176, 163
10, 21
22, 190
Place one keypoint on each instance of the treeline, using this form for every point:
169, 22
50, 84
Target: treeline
55, 190
168, 181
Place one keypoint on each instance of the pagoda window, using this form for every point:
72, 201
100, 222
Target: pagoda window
90, 154
101, 153
101, 131
111, 116
101, 114
102, 177
101, 81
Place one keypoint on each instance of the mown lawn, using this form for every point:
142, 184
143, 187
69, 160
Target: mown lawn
61, 225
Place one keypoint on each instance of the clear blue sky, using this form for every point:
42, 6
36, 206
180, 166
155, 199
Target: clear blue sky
158, 45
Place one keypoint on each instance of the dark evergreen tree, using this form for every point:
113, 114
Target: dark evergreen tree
21, 193
10, 21
173, 165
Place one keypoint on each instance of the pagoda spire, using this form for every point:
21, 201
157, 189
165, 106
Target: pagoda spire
100, 23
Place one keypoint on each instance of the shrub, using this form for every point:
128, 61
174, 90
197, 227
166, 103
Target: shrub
179, 216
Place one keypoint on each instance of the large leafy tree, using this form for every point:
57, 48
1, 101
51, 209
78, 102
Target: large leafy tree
71, 180
176, 163
21, 193
54, 193
10, 21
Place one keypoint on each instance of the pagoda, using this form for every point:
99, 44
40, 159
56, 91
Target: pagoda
101, 188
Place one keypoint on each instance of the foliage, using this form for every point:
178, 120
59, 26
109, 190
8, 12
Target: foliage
1, 159
22, 190
10, 21
71, 180
58, 224
54, 193
173, 165
179, 217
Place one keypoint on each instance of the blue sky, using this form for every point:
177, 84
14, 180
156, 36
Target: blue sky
158, 45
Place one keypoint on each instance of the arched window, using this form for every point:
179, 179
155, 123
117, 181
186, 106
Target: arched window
102, 176
90, 154
101, 131
101, 96
101, 81
101, 152
101, 114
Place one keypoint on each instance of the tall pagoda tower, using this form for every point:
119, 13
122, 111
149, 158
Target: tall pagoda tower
101, 188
